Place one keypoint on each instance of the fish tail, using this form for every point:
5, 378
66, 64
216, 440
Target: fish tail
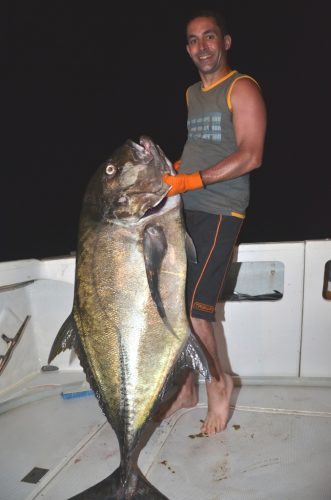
113, 488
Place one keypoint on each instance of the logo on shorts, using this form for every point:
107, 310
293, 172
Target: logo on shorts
203, 307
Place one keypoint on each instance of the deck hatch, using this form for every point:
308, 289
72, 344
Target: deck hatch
34, 475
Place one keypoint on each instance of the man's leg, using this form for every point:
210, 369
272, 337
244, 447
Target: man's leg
185, 397
219, 389
214, 238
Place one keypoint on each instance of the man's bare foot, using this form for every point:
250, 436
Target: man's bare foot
186, 397
219, 395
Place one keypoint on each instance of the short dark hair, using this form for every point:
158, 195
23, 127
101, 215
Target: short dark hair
216, 15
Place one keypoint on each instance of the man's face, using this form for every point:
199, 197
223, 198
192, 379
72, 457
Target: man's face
206, 45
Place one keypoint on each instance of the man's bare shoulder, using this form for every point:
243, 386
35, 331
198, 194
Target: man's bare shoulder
246, 90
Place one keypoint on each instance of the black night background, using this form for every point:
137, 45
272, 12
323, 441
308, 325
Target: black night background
80, 77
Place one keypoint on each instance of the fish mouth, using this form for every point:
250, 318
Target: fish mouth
144, 200
140, 151
166, 168
147, 150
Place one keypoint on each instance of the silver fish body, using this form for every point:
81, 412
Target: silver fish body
129, 324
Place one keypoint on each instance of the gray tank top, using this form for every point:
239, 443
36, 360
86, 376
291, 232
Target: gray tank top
211, 138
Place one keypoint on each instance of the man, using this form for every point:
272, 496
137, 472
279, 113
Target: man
226, 132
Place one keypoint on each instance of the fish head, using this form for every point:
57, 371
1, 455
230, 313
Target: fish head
129, 183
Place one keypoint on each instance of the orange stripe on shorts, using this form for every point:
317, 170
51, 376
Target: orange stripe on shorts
206, 263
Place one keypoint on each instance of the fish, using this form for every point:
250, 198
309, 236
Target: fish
128, 324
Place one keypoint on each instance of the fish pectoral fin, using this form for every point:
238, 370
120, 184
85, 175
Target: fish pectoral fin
65, 338
155, 247
193, 357
191, 253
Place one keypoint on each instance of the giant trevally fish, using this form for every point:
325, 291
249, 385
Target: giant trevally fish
128, 324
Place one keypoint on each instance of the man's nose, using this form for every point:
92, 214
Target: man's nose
202, 44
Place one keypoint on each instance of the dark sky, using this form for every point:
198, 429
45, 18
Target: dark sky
79, 78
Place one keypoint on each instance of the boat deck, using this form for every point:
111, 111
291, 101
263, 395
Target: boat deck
277, 444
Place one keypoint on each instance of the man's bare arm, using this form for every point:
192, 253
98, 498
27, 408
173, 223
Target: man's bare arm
249, 121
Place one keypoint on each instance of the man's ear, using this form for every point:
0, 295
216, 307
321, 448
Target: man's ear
227, 42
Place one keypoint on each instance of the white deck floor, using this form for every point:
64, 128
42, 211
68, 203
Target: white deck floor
277, 445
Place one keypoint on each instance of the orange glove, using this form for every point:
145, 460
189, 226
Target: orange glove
183, 182
176, 165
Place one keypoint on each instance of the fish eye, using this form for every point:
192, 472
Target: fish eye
110, 170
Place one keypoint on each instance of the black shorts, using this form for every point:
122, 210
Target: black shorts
214, 237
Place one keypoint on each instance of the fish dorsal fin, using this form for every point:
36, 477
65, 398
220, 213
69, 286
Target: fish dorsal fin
65, 338
191, 253
155, 247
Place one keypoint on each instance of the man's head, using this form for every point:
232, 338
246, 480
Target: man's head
208, 41
217, 15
